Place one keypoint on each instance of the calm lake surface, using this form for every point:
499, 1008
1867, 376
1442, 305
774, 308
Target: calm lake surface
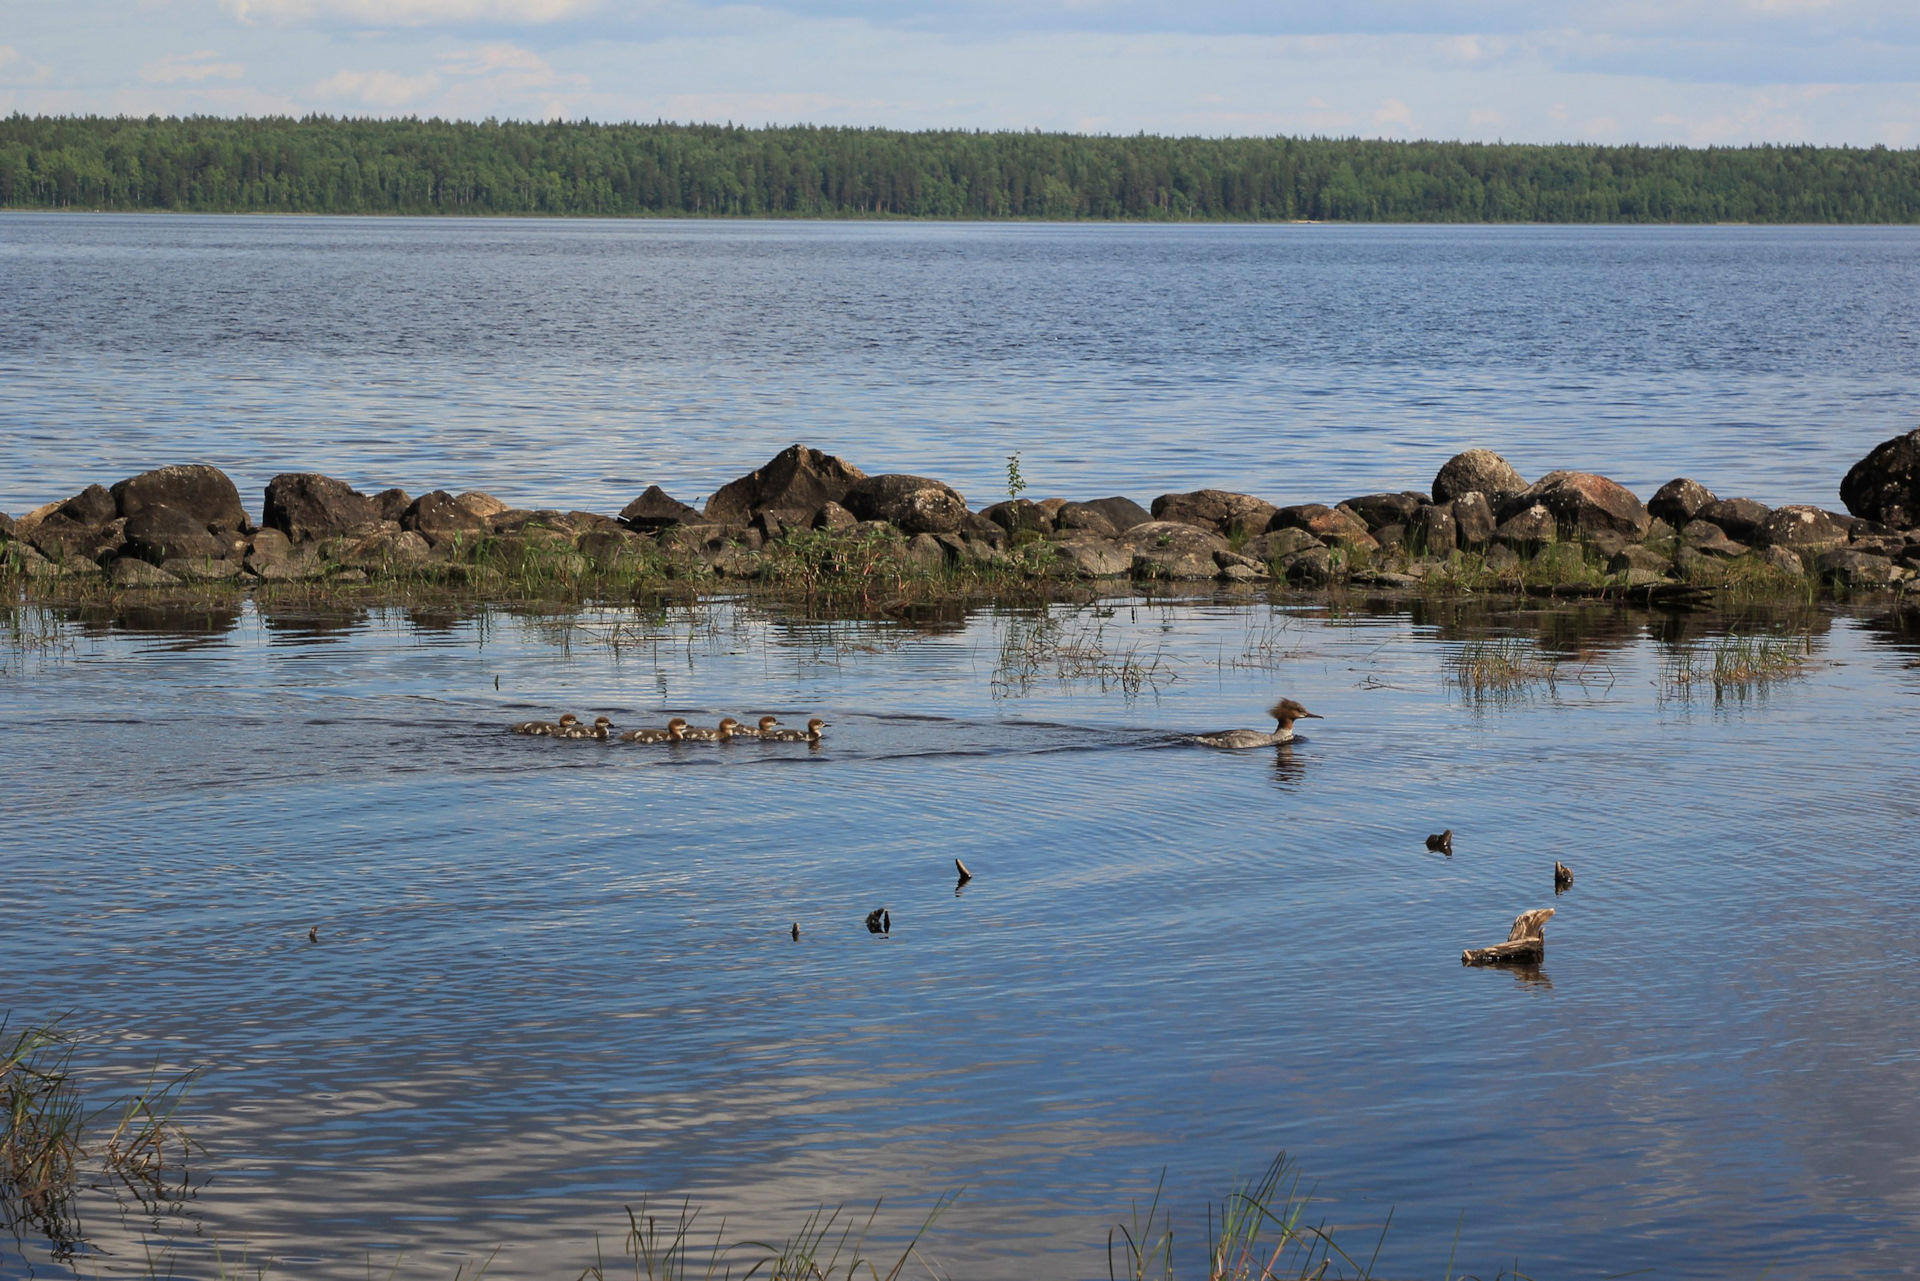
554, 977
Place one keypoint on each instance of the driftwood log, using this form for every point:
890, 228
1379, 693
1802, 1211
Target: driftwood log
1526, 942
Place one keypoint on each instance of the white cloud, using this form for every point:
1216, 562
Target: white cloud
190, 67
382, 90
407, 13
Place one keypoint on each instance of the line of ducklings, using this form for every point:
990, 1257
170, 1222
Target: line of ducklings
674, 731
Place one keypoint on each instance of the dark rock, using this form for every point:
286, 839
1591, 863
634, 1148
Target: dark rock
1081, 517
1741, 518
1434, 531
129, 572
1605, 543
1123, 512
388, 549
1323, 522
1584, 504
778, 524
1309, 567
1473, 519
60, 539
1885, 485
796, 479
1172, 538
1391, 536
698, 539
1890, 545
1709, 539
159, 533
306, 506
924, 552
1658, 531
1018, 514
270, 544
834, 516
1803, 529
203, 493
440, 518
1527, 528
976, 526
6, 527
1679, 501
1476, 470
392, 504
1635, 557
1500, 558
1279, 544
1378, 510
912, 504
1095, 557
657, 509
197, 571
94, 506
1845, 567
1219, 510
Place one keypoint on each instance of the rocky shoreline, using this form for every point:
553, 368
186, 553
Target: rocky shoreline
809, 521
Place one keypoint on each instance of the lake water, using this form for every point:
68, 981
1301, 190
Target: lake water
561, 363
554, 977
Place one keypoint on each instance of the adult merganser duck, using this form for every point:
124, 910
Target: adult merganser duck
811, 734
566, 722
671, 734
599, 729
761, 731
721, 733
1285, 713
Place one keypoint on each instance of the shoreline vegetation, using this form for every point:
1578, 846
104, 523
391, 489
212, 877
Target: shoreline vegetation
811, 528
329, 165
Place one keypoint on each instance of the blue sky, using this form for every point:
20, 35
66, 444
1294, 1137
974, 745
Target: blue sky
1691, 71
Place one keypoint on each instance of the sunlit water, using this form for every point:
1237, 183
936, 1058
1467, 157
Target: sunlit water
552, 977
572, 363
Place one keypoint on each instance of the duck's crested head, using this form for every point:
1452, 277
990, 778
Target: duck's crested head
1287, 710
768, 722
568, 718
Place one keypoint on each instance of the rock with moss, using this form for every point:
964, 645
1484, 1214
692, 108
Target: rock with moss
1679, 501
911, 504
1803, 529
1477, 470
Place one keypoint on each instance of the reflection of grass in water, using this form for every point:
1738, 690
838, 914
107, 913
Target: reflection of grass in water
1737, 665
1499, 667
1049, 644
32, 632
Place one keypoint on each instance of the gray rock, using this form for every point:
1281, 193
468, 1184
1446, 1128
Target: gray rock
271, 544
1679, 501
1783, 561
1476, 470
1890, 545
1172, 538
1124, 513
200, 571
442, 520
1219, 510
1095, 557
1309, 567
1434, 531
1380, 510
389, 549
1885, 485
1634, 558
1279, 544
1234, 560
1845, 567
797, 480
1709, 539
1741, 518
203, 493
1500, 558
391, 504
1583, 504
1391, 536
657, 509
1473, 520
924, 552
1803, 529
306, 506
131, 572
833, 516
1242, 574
1082, 518
158, 533
1527, 528
1173, 565
347, 577
1019, 514
912, 504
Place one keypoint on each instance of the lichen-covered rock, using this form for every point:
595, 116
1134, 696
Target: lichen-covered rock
797, 480
1783, 561
1584, 504
1679, 501
1017, 514
1845, 567
1172, 537
1803, 529
204, 493
159, 533
1473, 520
1124, 513
1477, 470
911, 504
1528, 527
1378, 510
306, 506
1741, 518
657, 509
441, 519
1885, 485
1219, 510
1434, 531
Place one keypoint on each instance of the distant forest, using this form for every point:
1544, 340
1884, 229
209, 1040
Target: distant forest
350, 166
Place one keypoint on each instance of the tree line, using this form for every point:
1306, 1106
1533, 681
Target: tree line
322, 164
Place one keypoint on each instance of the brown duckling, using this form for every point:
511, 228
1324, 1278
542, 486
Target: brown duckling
811, 734
600, 728
671, 734
721, 733
546, 728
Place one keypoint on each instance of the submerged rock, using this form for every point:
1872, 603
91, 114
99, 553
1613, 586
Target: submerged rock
912, 504
1479, 470
1885, 485
1679, 501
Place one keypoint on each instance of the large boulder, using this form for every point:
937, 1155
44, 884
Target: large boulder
203, 493
1885, 485
306, 506
1803, 529
159, 533
1473, 518
1584, 504
1479, 470
1172, 538
911, 504
798, 480
1741, 518
1679, 501
91, 507
657, 509
1220, 510
1123, 513
441, 518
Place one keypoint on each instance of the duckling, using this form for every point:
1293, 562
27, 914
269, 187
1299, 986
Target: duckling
546, 728
721, 733
671, 734
599, 729
1442, 843
1285, 713
811, 734
761, 731
1562, 876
